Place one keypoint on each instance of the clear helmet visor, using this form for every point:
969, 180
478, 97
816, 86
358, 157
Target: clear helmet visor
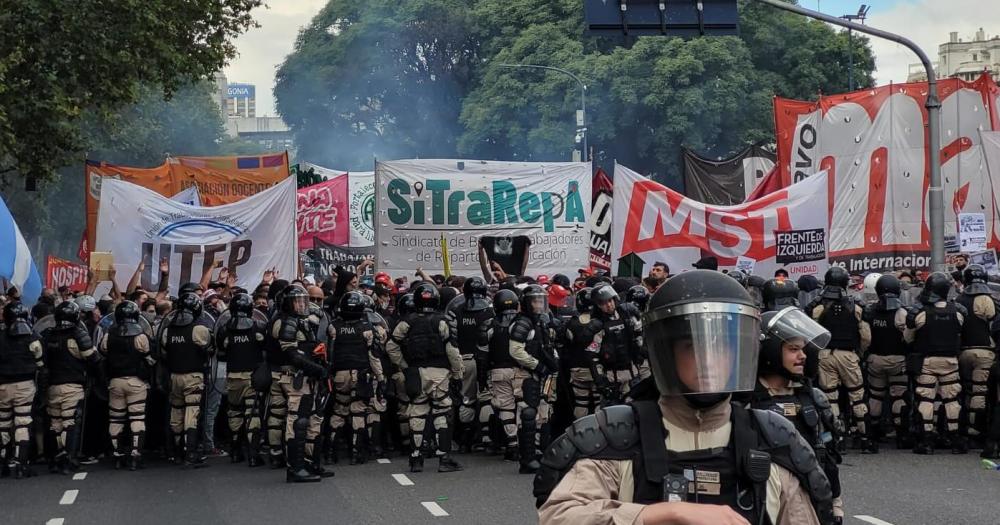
300, 305
539, 304
792, 325
703, 348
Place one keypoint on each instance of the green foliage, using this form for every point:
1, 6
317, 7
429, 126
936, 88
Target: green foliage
59, 61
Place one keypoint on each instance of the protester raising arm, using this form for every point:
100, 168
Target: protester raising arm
161, 290
206, 278
133, 283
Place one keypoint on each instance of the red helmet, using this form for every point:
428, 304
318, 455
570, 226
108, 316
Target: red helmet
558, 295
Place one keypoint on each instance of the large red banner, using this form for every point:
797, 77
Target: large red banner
322, 213
60, 272
874, 145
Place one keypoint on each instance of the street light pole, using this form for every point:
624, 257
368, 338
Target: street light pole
862, 14
583, 98
935, 196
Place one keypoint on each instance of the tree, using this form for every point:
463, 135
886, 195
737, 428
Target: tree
383, 78
61, 60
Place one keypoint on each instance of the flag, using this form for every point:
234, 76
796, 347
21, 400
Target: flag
16, 264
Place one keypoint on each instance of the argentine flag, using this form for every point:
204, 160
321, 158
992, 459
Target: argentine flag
16, 264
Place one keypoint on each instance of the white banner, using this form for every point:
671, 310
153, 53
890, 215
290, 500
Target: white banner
517, 209
361, 207
325, 173
189, 196
249, 236
785, 229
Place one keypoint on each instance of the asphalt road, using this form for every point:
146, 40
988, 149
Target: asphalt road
893, 487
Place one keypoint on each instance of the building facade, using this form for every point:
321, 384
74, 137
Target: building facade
963, 59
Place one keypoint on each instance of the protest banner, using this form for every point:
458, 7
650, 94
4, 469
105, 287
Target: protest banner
361, 204
60, 272
219, 180
321, 260
250, 236
600, 221
785, 229
873, 144
531, 210
322, 213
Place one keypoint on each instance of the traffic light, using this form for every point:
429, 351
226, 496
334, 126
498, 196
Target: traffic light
683, 18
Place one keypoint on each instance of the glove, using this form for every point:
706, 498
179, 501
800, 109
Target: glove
541, 369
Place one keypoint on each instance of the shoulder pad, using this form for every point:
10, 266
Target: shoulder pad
911, 316
961, 309
819, 398
289, 329
520, 330
777, 430
83, 339
609, 433
868, 314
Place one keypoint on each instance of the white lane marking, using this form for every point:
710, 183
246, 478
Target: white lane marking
402, 480
69, 497
384, 461
873, 520
55, 521
79, 476
434, 508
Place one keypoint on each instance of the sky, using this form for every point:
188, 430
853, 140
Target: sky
926, 22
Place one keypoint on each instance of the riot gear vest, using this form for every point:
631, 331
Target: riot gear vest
17, 363
886, 338
499, 356
243, 350
839, 318
538, 345
123, 358
797, 407
350, 350
272, 347
183, 355
940, 336
470, 329
615, 351
63, 366
975, 331
577, 355
423, 347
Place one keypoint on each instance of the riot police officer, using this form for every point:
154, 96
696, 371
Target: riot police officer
839, 363
68, 350
532, 347
20, 362
790, 340
506, 376
779, 293
356, 372
617, 339
581, 358
186, 347
241, 346
404, 307
887, 362
636, 299
978, 349
468, 318
431, 367
935, 328
721, 460
300, 380
126, 348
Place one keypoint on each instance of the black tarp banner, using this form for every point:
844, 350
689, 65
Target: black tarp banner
320, 260
728, 181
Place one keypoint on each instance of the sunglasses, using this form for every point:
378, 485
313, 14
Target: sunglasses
316, 299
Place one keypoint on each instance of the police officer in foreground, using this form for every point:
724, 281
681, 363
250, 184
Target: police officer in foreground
20, 362
790, 344
840, 363
887, 362
186, 346
935, 329
468, 319
126, 348
68, 350
241, 346
722, 463
978, 349
431, 367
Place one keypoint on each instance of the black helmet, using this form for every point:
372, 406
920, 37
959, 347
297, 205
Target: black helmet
975, 278
352, 305
67, 314
368, 302
17, 317
639, 296
602, 294
188, 288
127, 318
702, 335
295, 300
534, 300
188, 309
583, 303
504, 301
447, 294
739, 276
936, 288
241, 305
779, 293
404, 305
888, 290
837, 276
789, 325
426, 297
475, 287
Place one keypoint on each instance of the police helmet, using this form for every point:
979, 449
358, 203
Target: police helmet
534, 300
505, 301
295, 300
793, 328
888, 290
639, 296
975, 278
404, 305
352, 305
426, 297
17, 317
67, 314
